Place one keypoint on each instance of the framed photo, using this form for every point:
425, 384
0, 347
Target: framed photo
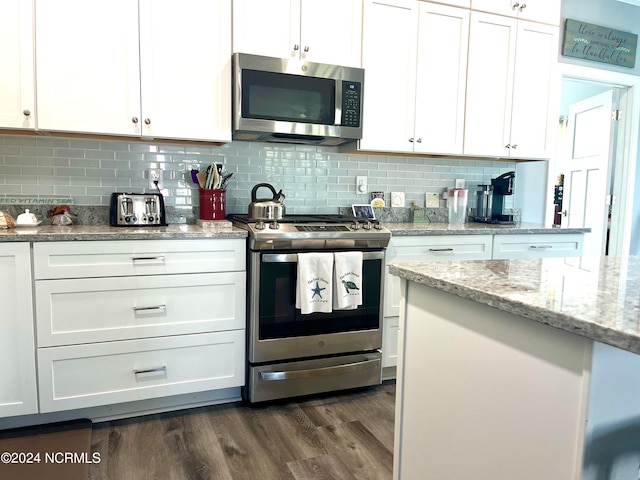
363, 211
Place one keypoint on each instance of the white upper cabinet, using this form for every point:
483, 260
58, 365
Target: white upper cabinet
415, 76
390, 32
17, 350
321, 31
165, 72
508, 87
544, 11
443, 39
185, 65
17, 98
88, 72
456, 3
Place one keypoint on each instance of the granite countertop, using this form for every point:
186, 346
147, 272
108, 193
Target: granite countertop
471, 228
50, 233
596, 298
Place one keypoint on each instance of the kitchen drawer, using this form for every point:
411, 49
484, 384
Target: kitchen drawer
82, 376
88, 310
136, 257
439, 248
537, 245
434, 248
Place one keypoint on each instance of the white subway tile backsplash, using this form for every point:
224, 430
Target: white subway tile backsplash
314, 179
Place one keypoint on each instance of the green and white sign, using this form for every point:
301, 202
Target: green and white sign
599, 44
30, 200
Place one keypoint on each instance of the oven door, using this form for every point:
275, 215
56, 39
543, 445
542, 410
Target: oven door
279, 331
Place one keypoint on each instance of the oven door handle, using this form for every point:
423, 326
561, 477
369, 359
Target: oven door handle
315, 372
293, 257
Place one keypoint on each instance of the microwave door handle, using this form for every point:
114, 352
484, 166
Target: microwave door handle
337, 121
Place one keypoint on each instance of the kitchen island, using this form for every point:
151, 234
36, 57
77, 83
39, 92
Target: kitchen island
495, 364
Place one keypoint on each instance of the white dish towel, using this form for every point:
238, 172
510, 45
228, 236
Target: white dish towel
347, 282
314, 288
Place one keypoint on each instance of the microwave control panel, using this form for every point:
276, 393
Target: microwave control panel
351, 100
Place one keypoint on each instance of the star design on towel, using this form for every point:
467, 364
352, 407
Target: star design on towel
317, 290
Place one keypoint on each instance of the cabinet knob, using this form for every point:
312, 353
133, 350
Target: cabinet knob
514, 146
419, 140
508, 145
296, 47
515, 5
411, 139
523, 6
306, 49
134, 119
26, 112
147, 121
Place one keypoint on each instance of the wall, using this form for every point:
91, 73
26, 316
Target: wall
621, 16
314, 179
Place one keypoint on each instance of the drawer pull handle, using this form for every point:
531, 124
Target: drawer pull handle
159, 308
541, 246
150, 371
148, 260
441, 249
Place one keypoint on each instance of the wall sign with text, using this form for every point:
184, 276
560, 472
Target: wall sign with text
599, 44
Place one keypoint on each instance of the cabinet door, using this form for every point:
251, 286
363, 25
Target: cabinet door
390, 29
331, 31
544, 11
88, 66
443, 39
457, 3
268, 28
17, 350
492, 49
533, 81
186, 103
17, 102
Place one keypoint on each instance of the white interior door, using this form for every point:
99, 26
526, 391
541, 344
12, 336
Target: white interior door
586, 169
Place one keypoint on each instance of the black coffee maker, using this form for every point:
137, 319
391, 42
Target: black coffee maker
490, 200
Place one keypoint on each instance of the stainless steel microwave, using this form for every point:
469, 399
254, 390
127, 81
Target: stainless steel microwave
292, 101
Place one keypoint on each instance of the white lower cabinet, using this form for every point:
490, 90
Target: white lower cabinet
18, 394
537, 245
436, 248
91, 375
420, 249
120, 321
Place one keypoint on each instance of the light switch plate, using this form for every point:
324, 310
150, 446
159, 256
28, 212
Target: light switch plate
432, 200
397, 199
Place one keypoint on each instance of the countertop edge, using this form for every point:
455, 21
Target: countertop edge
554, 319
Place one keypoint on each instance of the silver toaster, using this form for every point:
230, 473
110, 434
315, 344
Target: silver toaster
137, 209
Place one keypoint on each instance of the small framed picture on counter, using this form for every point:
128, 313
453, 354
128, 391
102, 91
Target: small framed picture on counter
363, 211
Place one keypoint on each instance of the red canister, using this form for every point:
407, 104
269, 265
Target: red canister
212, 204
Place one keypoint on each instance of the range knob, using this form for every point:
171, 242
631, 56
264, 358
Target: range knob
367, 226
355, 225
274, 225
260, 225
378, 226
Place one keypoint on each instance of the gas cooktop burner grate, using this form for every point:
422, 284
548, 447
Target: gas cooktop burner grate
296, 218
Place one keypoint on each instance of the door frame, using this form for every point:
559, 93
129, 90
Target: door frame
626, 152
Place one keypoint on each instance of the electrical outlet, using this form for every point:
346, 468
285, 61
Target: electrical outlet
361, 185
155, 175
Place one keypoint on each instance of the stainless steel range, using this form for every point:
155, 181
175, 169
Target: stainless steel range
290, 353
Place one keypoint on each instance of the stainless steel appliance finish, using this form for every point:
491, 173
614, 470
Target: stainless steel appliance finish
266, 208
292, 101
137, 209
291, 354
484, 200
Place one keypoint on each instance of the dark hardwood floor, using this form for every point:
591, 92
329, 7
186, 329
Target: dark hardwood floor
344, 436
